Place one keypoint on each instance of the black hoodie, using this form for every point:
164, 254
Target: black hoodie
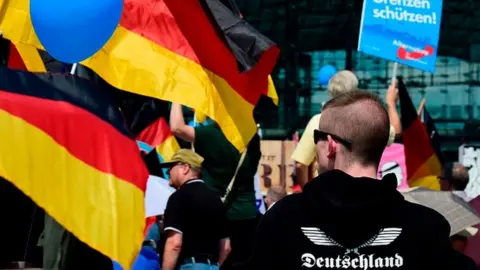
342, 222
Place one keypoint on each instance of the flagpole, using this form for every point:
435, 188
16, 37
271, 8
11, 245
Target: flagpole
394, 73
194, 126
420, 107
74, 68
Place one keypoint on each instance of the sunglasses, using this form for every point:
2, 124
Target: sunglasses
322, 136
174, 165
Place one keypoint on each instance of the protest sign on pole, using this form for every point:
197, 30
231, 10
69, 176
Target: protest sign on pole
402, 31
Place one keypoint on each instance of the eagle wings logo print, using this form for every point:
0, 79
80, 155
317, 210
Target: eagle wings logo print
383, 238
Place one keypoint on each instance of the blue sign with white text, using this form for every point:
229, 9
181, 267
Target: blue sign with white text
403, 31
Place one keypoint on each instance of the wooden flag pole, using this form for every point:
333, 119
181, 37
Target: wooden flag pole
420, 107
394, 73
74, 68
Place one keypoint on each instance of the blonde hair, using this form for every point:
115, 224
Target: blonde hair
342, 82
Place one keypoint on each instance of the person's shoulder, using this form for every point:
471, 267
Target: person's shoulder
175, 196
207, 129
314, 121
286, 207
424, 218
316, 117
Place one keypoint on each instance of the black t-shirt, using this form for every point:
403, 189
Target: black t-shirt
199, 215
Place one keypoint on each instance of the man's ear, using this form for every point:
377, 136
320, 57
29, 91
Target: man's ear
332, 147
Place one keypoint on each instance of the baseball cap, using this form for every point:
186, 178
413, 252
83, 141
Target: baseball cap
185, 156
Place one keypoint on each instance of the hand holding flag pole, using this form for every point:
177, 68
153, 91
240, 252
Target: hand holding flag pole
394, 73
74, 68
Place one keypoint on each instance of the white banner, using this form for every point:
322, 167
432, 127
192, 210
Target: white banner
156, 197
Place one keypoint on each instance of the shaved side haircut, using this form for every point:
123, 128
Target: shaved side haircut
360, 118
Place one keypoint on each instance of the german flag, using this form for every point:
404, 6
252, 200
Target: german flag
24, 57
423, 166
433, 134
145, 116
65, 145
172, 50
149, 126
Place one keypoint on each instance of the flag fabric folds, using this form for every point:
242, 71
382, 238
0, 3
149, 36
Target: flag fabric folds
65, 145
25, 57
423, 166
171, 50
146, 119
159, 135
433, 134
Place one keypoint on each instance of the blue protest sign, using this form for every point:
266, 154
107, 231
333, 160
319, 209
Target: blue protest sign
404, 31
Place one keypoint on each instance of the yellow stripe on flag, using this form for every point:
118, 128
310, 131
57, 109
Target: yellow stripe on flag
113, 63
272, 91
31, 58
168, 148
423, 176
188, 75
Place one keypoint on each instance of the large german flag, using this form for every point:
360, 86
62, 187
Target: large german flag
64, 143
172, 50
423, 166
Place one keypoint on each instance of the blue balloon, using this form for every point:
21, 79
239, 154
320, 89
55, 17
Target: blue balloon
325, 73
73, 30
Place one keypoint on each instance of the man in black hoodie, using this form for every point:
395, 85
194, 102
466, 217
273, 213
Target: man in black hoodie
346, 218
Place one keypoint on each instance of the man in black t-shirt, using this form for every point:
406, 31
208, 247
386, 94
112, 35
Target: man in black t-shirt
195, 218
221, 161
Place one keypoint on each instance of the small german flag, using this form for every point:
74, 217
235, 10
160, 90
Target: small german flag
433, 134
423, 166
149, 126
64, 143
145, 116
178, 51
25, 57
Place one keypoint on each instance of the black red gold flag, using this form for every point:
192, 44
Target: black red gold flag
423, 166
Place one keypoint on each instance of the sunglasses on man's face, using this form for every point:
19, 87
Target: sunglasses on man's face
323, 136
174, 165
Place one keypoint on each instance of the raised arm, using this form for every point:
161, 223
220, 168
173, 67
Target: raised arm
391, 100
178, 126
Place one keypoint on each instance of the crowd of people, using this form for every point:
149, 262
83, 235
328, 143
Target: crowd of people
344, 217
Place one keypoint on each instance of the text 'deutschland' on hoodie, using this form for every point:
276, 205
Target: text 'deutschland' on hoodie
342, 222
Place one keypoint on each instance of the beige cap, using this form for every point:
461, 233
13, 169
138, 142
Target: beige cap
185, 156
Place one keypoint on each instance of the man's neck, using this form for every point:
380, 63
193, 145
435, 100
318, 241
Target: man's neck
357, 171
189, 180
